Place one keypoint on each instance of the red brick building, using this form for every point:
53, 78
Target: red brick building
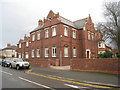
58, 39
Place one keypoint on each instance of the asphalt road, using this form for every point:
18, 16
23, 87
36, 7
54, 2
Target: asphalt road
12, 78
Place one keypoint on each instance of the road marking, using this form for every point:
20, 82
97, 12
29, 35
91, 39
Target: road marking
35, 83
63, 80
73, 86
5, 72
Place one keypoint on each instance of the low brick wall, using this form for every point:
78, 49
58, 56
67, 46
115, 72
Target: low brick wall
108, 65
40, 63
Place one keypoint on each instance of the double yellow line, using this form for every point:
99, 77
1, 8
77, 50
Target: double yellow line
63, 80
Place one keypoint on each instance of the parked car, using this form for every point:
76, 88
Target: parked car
6, 62
0, 61
19, 63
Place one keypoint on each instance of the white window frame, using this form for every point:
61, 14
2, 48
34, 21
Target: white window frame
33, 37
46, 33
65, 31
38, 35
53, 30
53, 51
23, 55
74, 52
46, 52
19, 55
20, 45
33, 53
88, 35
65, 51
38, 52
102, 44
92, 36
26, 55
27, 44
74, 33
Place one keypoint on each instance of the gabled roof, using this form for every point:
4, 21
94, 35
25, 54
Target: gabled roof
80, 23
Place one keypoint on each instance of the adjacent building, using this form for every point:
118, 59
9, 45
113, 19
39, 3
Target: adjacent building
59, 39
9, 51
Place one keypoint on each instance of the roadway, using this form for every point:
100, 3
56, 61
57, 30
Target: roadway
12, 78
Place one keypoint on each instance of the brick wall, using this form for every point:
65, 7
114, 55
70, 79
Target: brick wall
36, 62
96, 65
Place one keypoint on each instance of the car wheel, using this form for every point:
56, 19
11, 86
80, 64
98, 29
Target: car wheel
10, 66
5, 65
17, 67
28, 67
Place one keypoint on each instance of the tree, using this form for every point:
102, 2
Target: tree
110, 29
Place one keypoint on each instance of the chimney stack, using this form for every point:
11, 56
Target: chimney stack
8, 45
25, 37
40, 22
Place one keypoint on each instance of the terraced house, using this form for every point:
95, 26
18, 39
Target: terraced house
56, 40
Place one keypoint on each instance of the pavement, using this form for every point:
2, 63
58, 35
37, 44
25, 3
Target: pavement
81, 76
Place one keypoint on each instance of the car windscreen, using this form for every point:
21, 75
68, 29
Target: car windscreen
18, 60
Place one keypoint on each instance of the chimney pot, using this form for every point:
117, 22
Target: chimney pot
40, 22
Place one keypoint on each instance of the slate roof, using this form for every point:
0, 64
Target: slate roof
38, 27
76, 24
79, 24
67, 22
11, 47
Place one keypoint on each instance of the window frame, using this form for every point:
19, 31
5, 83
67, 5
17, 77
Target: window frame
33, 37
26, 55
89, 38
92, 36
38, 35
27, 43
74, 52
20, 45
66, 52
74, 34
53, 31
33, 53
65, 31
46, 33
54, 51
38, 53
46, 52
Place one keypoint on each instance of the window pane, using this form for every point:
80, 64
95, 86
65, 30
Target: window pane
38, 36
46, 52
53, 31
65, 51
53, 51
65, 31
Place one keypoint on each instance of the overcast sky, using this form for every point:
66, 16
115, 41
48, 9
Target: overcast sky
19, 17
